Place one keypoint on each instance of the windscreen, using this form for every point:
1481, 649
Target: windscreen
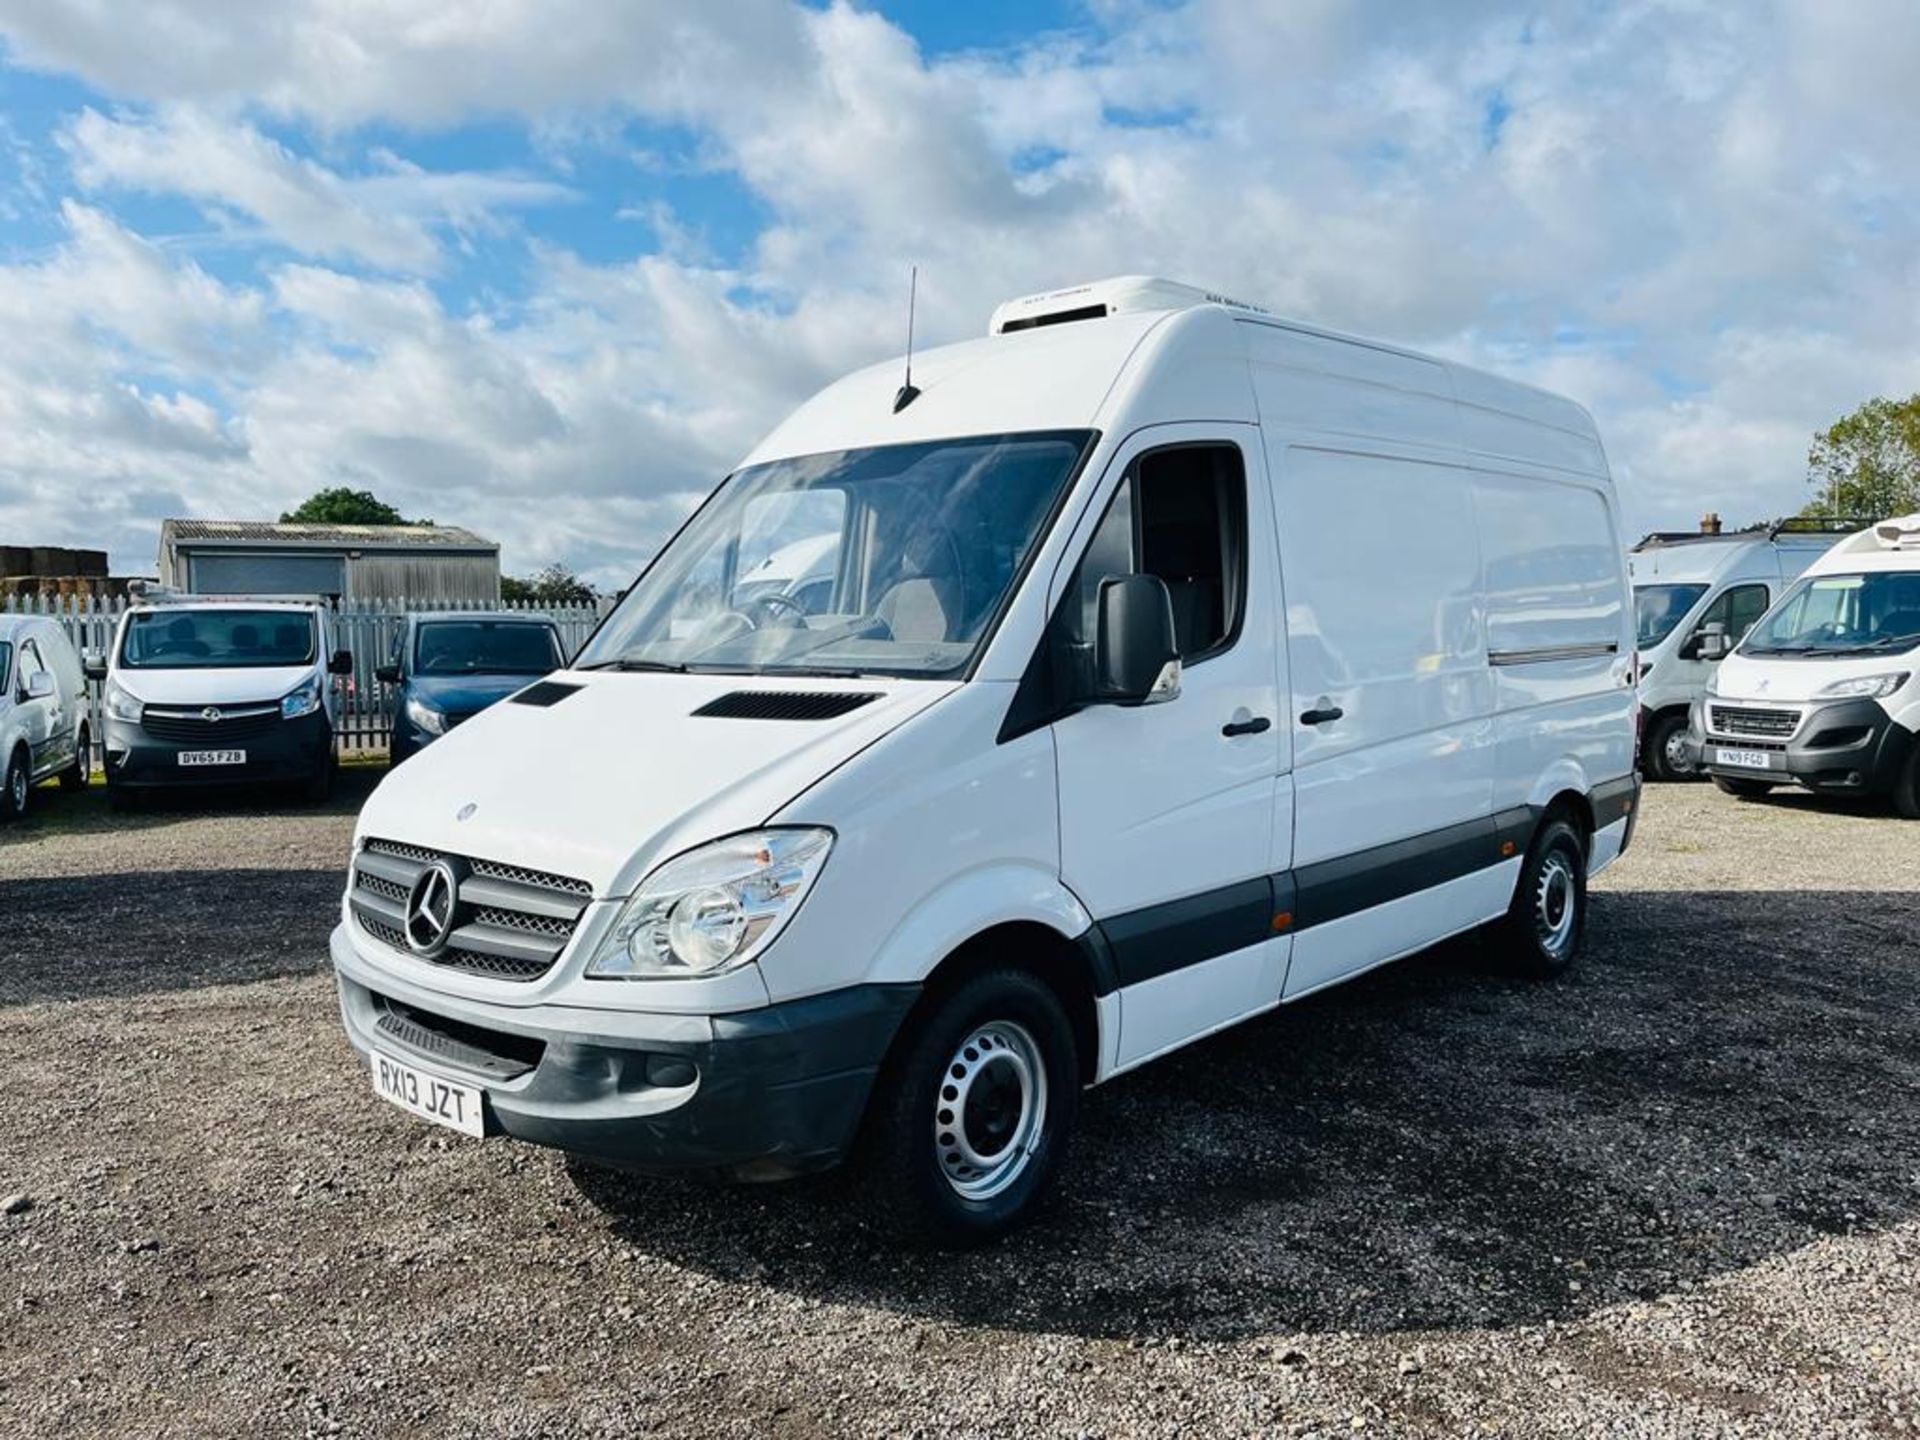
893, 560
216, 639
1658, 608
1872, 614
484, 647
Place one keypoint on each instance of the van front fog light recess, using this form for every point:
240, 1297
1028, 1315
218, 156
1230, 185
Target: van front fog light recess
713, 909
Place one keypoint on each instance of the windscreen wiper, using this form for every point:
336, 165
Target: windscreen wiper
667, 667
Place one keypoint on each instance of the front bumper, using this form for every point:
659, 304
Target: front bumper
1841, 747
292, 750
759, 1094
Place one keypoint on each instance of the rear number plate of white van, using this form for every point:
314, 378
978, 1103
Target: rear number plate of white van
213, 757
442, 1101
1745, 759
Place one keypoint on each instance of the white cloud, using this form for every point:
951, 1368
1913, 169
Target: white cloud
383, 219
1701, 220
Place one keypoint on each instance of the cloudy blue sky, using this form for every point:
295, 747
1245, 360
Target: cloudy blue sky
549, 267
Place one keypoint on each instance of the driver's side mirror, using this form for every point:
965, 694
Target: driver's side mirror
94, 665
1136, 657
387, 674
1711, 642
39, 685
341, 663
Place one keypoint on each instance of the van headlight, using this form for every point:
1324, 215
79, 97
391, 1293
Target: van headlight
425, 716
713, 909
120, 704
303, 699
1863, 687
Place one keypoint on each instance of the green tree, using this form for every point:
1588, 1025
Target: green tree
553, 584
1867, 464
341, 506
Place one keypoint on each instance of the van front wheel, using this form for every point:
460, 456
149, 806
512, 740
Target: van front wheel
1548, 917
973, 1118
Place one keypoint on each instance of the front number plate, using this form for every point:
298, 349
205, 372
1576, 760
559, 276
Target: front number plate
213, 757
1744, 759
442, 1101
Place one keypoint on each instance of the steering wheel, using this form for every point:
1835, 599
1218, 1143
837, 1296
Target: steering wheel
774, 600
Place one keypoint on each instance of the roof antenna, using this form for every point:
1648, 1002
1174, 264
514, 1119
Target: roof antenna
909, 392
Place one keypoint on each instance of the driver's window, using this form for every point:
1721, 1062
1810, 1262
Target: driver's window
1736, 609
30, 666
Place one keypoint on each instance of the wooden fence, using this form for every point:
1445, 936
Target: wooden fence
368, 630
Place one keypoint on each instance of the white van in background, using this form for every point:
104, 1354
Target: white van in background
220, 690
1177, 662
1824, 692
1683, 584
43, 711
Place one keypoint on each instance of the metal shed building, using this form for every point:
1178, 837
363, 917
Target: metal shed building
439, 563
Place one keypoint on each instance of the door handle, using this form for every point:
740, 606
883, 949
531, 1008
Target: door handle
1260, 724
1321, 714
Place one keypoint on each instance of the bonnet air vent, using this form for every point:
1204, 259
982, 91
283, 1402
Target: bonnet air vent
784, 705
546, 692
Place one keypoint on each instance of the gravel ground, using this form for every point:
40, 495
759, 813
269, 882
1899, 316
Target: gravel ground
1676, 1194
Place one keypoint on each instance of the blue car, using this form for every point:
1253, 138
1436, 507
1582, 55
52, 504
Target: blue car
449, 666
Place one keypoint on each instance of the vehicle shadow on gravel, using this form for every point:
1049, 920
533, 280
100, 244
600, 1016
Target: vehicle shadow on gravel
1727, 1077
116, 936
52, 812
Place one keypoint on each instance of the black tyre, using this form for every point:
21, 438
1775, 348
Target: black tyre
1906, 790
319, 788
76, 775
1745, 789
1663, 750
971, 1120
1548, 917
15, 783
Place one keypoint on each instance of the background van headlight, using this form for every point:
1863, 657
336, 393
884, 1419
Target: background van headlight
121, 705
303, 699
1864, 687
713, 909
426, 717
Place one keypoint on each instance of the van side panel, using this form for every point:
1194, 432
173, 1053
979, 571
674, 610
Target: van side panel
1559, 637
1382, 567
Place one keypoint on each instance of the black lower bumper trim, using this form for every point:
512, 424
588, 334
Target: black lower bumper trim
775, 1091
292, 750
1848, 747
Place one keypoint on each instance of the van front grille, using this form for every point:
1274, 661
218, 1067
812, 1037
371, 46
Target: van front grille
1741, 720
201, 727
508, 922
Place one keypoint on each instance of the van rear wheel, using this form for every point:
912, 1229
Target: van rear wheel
1548, 916
75, 776
972, 1120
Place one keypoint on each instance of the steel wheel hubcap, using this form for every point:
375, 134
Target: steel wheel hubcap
17, 783
1677, 758
1555, 904
991, 1110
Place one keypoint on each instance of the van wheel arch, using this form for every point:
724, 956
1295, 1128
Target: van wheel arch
1022, 945
1573, 807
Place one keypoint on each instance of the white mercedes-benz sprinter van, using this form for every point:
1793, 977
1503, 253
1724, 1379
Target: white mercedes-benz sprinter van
1689, 583
1824, 691
1177, 662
